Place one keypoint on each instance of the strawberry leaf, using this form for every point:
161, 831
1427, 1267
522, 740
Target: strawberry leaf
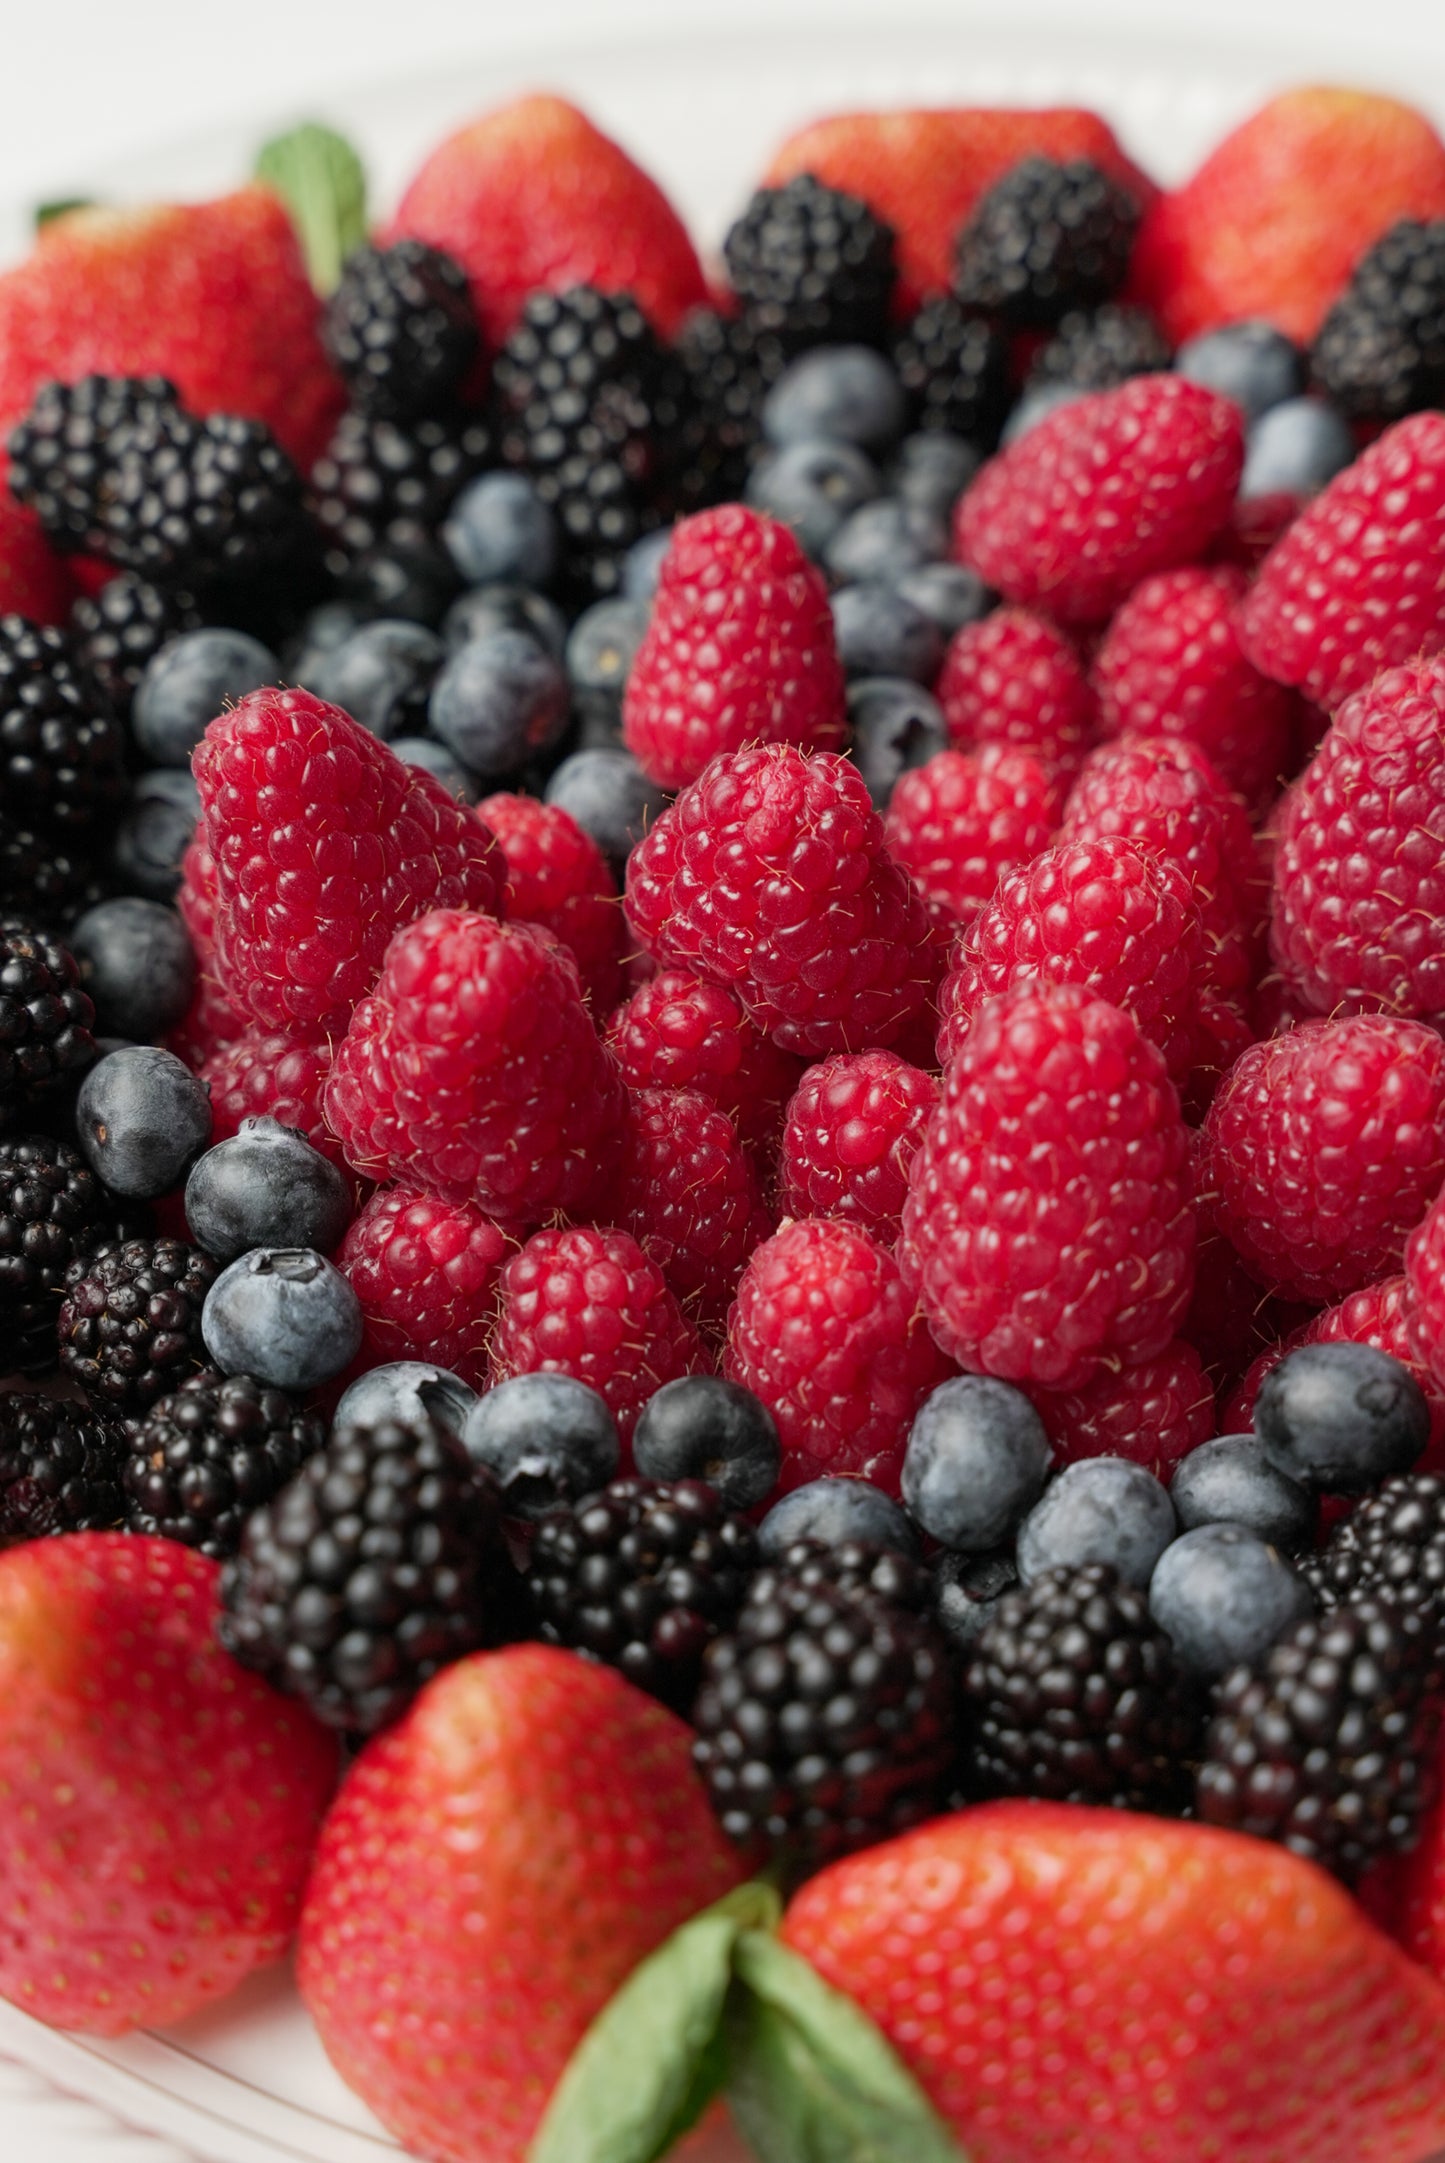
322, 182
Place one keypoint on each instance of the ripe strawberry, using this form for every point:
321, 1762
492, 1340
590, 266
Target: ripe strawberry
1122, 1988
1014, 678
158, 1805
559, 878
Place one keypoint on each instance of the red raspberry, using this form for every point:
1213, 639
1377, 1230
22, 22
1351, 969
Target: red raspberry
425, 1272
1048, 1226
1154, 1413
1014, 678
269, 1072
209, 1023
196, 899
826, 1332
1171, 665
770, 874
1425, 1275
1101, 493
1357, 583
962, 820
1324, 1147
475, 1071
681, 1032
1359, 876
558, 877
853, 1130
688, 1194
590, 1304
739, 649
324, 845
1230, 1319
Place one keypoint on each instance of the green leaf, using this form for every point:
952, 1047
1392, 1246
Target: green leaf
322, 182
652, 2061
60, 208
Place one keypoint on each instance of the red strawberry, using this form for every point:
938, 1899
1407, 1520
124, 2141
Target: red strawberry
158, 1805
494, 1868
1083, 1986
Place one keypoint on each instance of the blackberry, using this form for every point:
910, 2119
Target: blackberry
1046, 238
731, 366
642, 1577
1391, 1546
130, 1322
1330, 1745
1077, 1697
1098, 351
381, 1561
402, 330
119, 631
379, 485
954, 367
826, 1716
60, 453
59, 1468
812, 266
1380, 352
62, 750
204, 1457
53, 1212
49, 881
45, 1020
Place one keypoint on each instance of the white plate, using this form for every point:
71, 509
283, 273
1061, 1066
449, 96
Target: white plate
248, 2083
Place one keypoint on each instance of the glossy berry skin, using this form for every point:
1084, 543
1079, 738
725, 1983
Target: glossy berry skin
1224, 1597
1048, 1226
1229, 1480
835, 1512
1342, 1417
701, 1427
683, 1186
266, 1187
160, 1806
680, 1031
1101, 493
284, 1315
324, 845
136, 965
270, 1073
739, 649
977, 1458
425, 1273
1155, 1413
1104, 1510
558, 877
958, 824
827, 1334
1384, 1315
1014, 678
141, 1117
854, 1125
547, 1439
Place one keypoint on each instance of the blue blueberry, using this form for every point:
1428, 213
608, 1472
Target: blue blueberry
408, 574
1035, 406
382, 676
813, 487
1341, 1417
1223, 1597
896, 726
967, 1590
547, 1438
884, 540
1103, 1509
948, 592
435, 759
1250, 362
880, 633
642, 565
265, 1186
932, 469
610, 797
600, 653
138, 965
284, 1315
192, 679
155, 831
141, 1118
976, 1461
320, 634
833, 1512
409, 1391
848, 393
1294, 449
500, 529
1231, 1481
703, 1428
498, 703
485, 609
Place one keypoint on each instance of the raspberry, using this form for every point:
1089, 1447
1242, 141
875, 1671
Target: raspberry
558, 877
958, 823
825, 1331
324, 845
1230, 1320
475, 1071
1357, 583
1171, 665
1014, 678
196, 898
739, 649
590, 1304
681, 1032
1154, 1413
689, 1196
1101, 493
1324, 1147
770, 874
268, 1071
1425, 1276
1359, 876
209, 1023
853, 1130
425, 1272
1048, 1226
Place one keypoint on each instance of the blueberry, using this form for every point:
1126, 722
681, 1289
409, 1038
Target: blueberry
435, 759
1250, 362
1294, 449
499, 528
191, 680
848, 393
642, 565
884, 539
284, 1315
967, 1590
265, 1186
1341, 1417
138, 965
498, 702
156, 830
932, 469
548, 1439
320, 634
703, 1428
976, 1461
407, 575
834, 1511
1035, 406
141, 1116
879, 633
1230, 1481
382, 676
600, 653
897, 726
1103, 1509
1223, 1597
407, 1390
813, 487
485, 609
610, 797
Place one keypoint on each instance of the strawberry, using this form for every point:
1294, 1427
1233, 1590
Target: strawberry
33, 580
158, 1805
533, 195
494, 1867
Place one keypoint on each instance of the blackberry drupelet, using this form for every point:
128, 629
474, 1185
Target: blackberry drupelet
119, 631
731, 366
380, 1562
1077, 1697
1330, 1745
45, 1020
62, 750
380, 485
1391, 1546
48, 881
812, 266
130, 1322
1098, 351
1380, 352
53, 1213
61, 452
954, 367
402, 330
1046, 238
59, 1468
642, 1577
211, 1452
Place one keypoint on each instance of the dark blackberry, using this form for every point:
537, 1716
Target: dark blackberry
377, 481
826, 1716
1099, 351
1380, 352
731, 366
49, 881
380, 1562
207, 1455
402, 330
119, 631
1044, 239
62, 750
1330, 1746
954, 367
812, 266
59, 1468
1392, 1545
1077, 1697
45, 1021
130, 1322
53, 1212
60, 454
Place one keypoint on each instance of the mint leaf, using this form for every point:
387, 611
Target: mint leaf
322, 182
61, 208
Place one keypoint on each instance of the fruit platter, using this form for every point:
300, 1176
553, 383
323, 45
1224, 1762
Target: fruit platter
722, 1147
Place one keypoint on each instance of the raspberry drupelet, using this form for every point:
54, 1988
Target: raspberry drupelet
1155, 1413
425, 1271
958, 823
1425, 1282
685, 1189
679, 1031
558, 877
270, 1072
1014, 678
854, 1126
